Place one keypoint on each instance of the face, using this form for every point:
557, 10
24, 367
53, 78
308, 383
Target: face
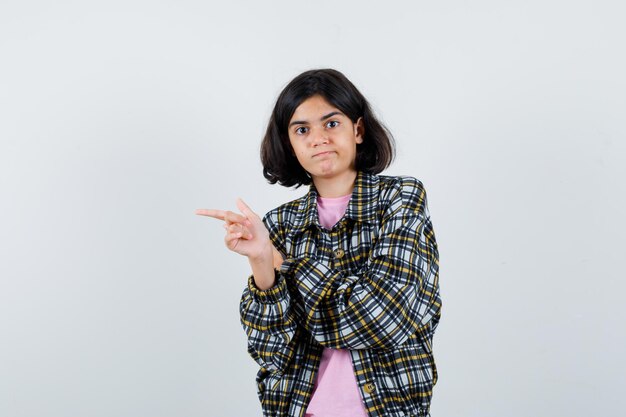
324, 139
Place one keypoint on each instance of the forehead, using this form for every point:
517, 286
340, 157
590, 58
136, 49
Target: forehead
313, 106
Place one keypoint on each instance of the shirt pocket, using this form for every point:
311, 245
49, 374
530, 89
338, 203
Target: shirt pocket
303, 245
358, 248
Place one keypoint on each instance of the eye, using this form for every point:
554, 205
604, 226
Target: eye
299, 130
332, 123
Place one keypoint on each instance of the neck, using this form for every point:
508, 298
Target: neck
336, 186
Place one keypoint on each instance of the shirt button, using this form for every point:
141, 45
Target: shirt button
369, 388
339, 253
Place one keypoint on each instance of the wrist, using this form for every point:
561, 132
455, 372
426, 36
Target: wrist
265, 257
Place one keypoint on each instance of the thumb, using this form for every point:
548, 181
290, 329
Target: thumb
243, 207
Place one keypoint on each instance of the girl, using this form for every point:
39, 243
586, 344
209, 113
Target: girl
343, 299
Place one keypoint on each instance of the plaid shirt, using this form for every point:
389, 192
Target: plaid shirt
370, 285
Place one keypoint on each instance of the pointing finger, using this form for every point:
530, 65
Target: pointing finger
226, 215
217, 214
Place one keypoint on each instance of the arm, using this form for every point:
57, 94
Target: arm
267, 317
265, 304
269, 323
395, 294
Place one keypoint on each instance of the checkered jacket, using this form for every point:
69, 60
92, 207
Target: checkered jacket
370, 285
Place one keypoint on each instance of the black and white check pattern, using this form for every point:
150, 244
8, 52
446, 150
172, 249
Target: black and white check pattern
370, 284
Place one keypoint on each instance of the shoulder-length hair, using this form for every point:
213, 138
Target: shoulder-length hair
277, 156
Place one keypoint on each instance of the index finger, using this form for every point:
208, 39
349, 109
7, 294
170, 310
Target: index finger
226, 215
217, 214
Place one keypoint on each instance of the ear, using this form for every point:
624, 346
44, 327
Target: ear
359, 130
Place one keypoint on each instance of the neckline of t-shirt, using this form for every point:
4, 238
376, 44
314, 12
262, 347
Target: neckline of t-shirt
334, 200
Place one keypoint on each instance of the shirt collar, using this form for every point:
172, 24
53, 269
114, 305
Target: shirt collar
361, 207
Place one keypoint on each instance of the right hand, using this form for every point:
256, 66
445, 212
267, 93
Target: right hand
246, 234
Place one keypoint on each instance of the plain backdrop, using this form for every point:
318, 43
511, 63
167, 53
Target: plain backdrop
119, 118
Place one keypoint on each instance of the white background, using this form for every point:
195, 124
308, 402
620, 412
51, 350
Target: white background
119, 118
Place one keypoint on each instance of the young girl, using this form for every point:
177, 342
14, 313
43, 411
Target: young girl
343, 299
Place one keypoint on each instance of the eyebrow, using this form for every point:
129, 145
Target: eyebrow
302, 122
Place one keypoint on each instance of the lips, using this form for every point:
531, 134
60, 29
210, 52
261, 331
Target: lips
322, 153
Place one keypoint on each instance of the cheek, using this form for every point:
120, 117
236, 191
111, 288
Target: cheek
294, 149
297, 150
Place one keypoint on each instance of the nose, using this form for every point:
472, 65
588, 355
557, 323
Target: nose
319, 137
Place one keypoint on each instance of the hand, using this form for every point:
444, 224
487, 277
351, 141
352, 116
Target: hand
245, 233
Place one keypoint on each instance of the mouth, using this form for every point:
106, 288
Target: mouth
322, 153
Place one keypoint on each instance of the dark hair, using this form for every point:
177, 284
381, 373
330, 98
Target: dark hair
279, 161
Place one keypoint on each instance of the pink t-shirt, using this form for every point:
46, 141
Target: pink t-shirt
335, 393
